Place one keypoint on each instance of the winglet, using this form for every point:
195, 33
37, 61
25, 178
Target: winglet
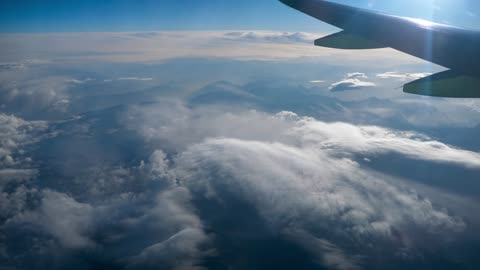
332, 13
347, 41
445, 84
290, 3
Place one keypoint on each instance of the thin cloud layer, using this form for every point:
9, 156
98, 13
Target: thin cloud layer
273, 37
158, 46
130, 79
403, 76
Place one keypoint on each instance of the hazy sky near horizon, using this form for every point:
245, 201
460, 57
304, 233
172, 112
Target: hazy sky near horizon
148, 15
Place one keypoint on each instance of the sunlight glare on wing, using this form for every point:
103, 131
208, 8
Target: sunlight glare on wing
423, 23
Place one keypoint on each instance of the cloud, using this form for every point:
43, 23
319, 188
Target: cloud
157, 46
173, 126
352, 81
144, 79
471, 14
342, 138
403, 76
147, 34
331, 255
356, 75
145, 186
300, 188
20, 65
77, 81
12, 66
176, 125
183, 238
273, 37
134, 79
303, 177
304, 174
116, 207
129, 79
29, 95
447, 113
15, 133
180, 251
69, 221
288, 183
15, 176
16, 170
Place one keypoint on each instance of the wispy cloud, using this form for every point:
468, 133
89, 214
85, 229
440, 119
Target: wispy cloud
403, 76
79, 81
135, 79
142, 79
273, 37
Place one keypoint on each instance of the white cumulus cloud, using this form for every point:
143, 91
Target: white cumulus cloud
302, 174
352, 81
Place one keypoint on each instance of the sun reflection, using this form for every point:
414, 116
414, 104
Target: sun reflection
423, 23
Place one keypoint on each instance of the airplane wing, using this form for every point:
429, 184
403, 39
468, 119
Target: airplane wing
454, 48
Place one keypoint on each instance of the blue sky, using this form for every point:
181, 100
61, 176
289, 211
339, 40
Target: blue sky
147, 15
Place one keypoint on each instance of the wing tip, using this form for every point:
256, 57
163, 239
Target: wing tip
446, 84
